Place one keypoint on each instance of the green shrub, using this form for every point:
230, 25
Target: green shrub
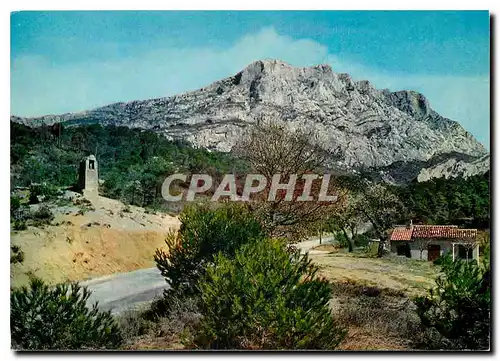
48, 318
17, 255
342, 240
43, 191
439, 261
459, 306
203, 233
15, 204
265, 298
361, 240
43, 214
20, 225
19, 213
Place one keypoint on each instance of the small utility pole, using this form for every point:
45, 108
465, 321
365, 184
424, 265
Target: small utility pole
320, 231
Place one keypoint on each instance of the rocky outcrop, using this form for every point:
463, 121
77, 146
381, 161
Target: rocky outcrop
453, 167
449, 165
371, 128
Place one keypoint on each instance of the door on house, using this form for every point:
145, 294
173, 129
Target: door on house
404, 250
433, 252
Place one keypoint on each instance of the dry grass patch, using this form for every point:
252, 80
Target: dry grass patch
376, 318
359, 339
171, 332
150, 343
372, 298
410, 276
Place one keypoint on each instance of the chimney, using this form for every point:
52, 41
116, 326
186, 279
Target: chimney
410, 225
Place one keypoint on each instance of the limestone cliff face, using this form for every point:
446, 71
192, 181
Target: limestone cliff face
371, 128
453, 167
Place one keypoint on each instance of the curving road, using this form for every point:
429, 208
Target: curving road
122, 291
128, 290
306, 246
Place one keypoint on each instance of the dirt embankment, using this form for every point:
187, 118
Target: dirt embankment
111, 238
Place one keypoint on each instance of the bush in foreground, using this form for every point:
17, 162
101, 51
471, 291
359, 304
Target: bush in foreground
265, 298
458, 308
48, 318
204, 232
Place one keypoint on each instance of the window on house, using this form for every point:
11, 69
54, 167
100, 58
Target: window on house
464, 252
91, 164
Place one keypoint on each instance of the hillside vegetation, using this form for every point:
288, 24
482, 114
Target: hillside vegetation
460, 201
133, 164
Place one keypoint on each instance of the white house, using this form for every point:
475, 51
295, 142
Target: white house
431, 241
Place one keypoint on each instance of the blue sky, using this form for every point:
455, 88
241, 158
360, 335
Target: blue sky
72, 61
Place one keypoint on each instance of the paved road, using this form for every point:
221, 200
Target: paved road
128, 290
307, 246
123, 291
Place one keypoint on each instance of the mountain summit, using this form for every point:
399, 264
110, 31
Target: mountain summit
396, 135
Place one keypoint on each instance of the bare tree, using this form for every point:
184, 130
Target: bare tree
382, 208
468, 248
273, 149
347, 221
423, 244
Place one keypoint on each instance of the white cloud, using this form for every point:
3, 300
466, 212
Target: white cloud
38, 87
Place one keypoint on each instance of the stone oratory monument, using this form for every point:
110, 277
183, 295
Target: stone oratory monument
88, 179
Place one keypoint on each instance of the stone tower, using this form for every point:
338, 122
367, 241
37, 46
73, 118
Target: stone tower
88, 180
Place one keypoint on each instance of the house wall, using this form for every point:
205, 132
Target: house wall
415, 248
445, 245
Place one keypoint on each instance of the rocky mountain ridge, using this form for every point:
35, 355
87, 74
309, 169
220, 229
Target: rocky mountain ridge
369, 128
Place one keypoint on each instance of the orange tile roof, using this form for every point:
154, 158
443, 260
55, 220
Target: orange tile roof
434, 226
401, 234
431, 231
443, 232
